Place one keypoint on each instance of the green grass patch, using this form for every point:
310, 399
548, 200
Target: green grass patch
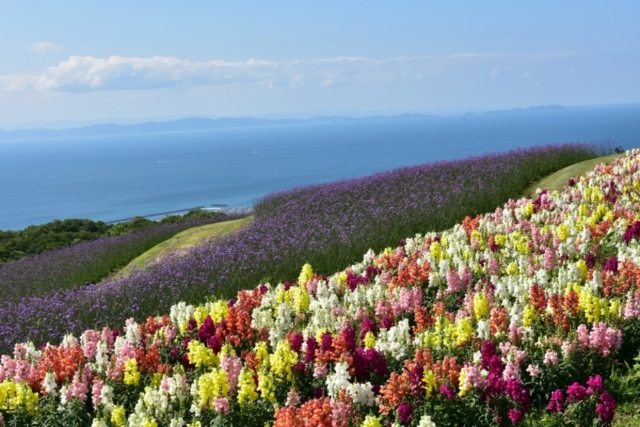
558, 180
186, 239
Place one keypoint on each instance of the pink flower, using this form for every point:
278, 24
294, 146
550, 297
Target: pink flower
551, 358
320, 371
221, 405
533, 370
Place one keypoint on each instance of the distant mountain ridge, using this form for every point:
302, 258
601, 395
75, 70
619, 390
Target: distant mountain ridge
180, 125
201, 123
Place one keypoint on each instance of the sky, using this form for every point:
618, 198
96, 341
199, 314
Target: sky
79, 62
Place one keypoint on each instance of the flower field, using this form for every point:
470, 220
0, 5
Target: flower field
329, 226
516, 317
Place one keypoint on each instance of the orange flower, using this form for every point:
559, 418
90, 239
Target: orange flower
394, 391
499, 322
537, 298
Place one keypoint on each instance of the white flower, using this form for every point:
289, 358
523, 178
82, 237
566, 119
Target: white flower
362, 393
338, 380
426, 421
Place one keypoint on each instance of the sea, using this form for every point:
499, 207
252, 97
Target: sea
110, 178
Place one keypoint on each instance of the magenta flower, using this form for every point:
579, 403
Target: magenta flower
405, 413
606, 407
595, 384
576, 392
515, 415
555, 402
447, 391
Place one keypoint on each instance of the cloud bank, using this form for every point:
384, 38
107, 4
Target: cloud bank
90, 74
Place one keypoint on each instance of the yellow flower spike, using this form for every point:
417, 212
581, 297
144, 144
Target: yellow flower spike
149, 422
480, 305
562, 232
301, 299
201, 356
369, 340
266, 385
219, 311
262, 354
614, 309
444, 241
512, 269
283, 360
528, 209
342, 277
371, 421
305, 275
528, 315
500, 239
461, 381
200, 314
582, 268
118, 416
246, 387
212, 385
429, 380
157, 379
131, 372
436, 250
464, 331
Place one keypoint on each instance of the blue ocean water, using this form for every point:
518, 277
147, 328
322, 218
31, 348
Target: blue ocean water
109, 178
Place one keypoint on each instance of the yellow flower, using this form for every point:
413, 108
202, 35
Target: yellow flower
200, 314
246, 387
562, 232
528, 316
283, 360
131, 372
212, 385
301, 299
463, 331
528, 209
262, 354
512, 269
219, 311
369, 340
14, 396
266, 385
429, 380
461, 381
480, 305
582, 268
149, 422
436, 250
305, 275
118, 415
371, 421
500, 239
200, 355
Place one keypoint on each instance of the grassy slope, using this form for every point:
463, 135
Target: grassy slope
560, 179
186, 239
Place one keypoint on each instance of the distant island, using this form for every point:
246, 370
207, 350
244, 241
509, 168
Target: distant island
202, 123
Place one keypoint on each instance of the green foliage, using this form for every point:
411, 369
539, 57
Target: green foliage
53, 235
58, 234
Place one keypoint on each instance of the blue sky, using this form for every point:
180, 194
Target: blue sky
76, 62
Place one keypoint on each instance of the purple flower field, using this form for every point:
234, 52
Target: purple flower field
328, 225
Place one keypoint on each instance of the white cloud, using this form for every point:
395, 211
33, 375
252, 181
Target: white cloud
44, 47
87, 73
